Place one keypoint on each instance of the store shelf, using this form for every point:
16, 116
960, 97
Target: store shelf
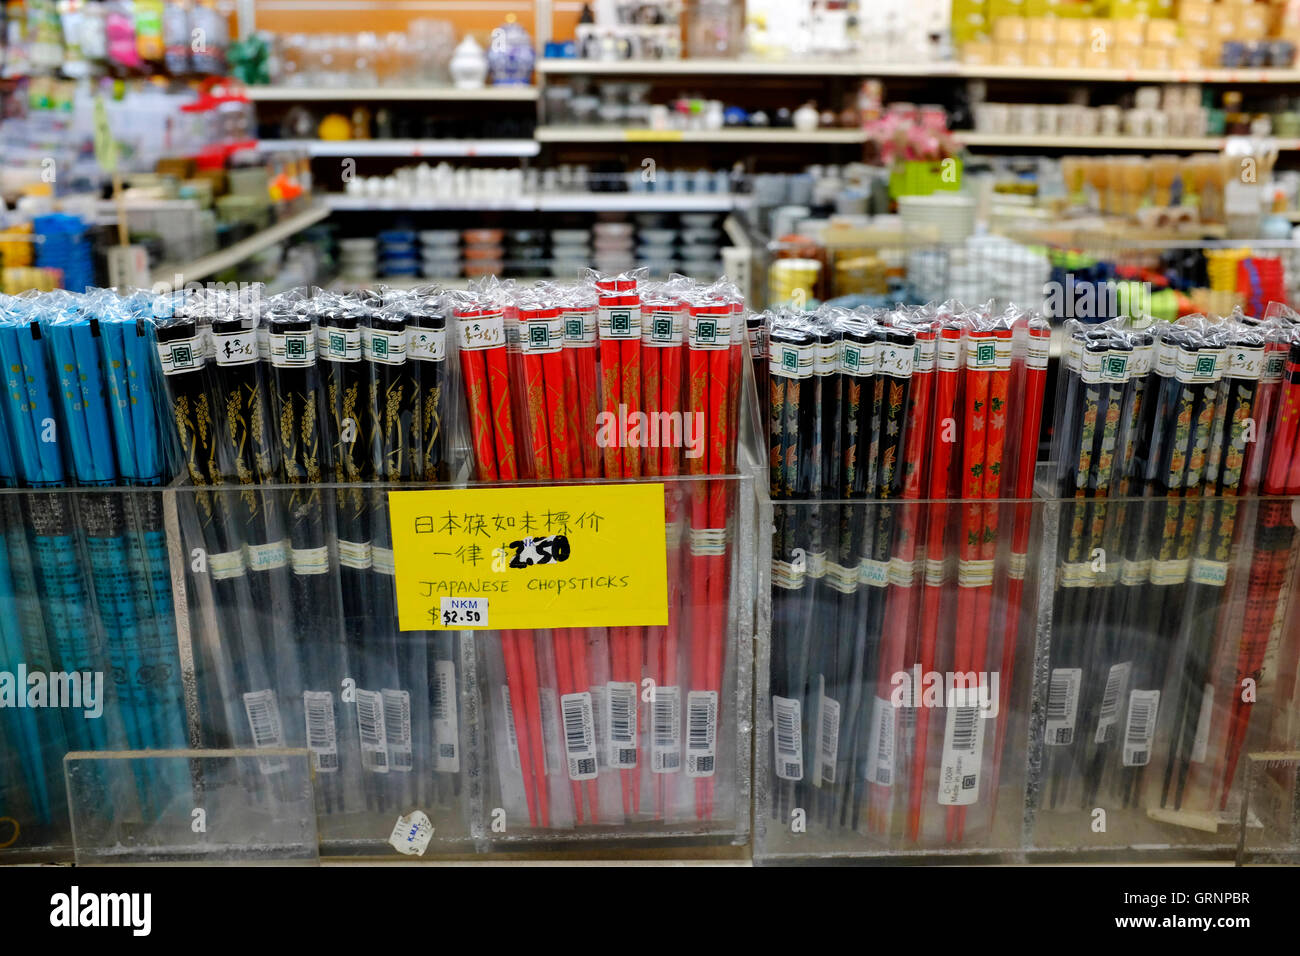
1162, 143
346, 203
816, 67
710, 67
293, 94
563, 202
166, 275
1084, 75
604, 134
638, 202
413, 148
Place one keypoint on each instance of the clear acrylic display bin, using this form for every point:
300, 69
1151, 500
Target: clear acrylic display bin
89, 651
428, 721
193, 806
1135, 693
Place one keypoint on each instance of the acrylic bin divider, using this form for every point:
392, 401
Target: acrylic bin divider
193, 806
89, 656
1137, 693
1269, 831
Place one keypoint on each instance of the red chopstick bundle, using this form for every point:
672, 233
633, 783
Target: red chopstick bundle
902, 602
949, 361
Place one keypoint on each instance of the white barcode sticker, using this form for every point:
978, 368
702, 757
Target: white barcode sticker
963, 749
412, 833
446, 720
621, 719
666, 730
828, 740
1143, 706
264, 721
397, 729
701, 732
880, 764
370, 725
1062, 705
1203, 720
787, 728
579, 735
1116, 688
322, 734
512, 734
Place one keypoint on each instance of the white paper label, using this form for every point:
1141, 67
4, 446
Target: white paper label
619, 321
714, 332
828, 740
463, 612
1062, 705
354, 554
579, 736
263, 713
235, 348
894, 360
701, 732
481, 332
790, 361
1111, 698
666, 730
621, 704
412, 833
663, 328
266, 557
446, 719
579, 327
322, 732
181, 355
292, 349
884, 721
397, 729
338, 345
429, 345
788, 733
1143, 706
963, 749
386, 346
370, 727
541, 336
512, 734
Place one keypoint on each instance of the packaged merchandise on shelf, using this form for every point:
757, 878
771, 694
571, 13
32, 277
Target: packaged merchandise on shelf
875, 599
1109, 634
295, 422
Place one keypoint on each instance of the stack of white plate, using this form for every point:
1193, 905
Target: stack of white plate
570, 252
951, 214
440, 253
358, 259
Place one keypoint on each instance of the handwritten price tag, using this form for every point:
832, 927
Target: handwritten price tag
564, 556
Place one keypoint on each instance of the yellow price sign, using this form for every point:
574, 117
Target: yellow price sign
524, 558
